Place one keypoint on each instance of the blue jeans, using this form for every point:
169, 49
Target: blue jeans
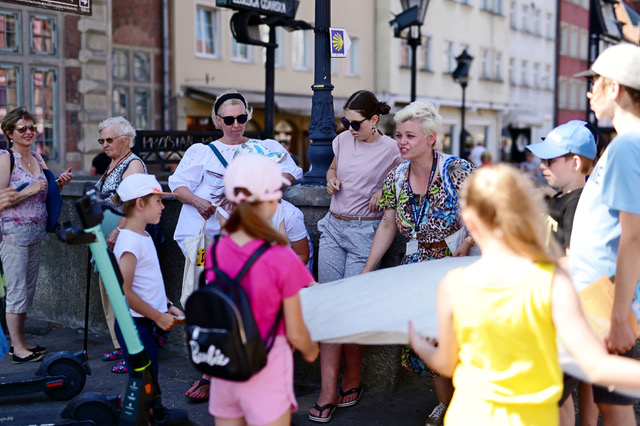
146, 330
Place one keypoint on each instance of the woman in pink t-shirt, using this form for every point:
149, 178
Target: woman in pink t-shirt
363, 157
252, 183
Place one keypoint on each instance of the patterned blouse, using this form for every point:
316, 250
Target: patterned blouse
112, 181
441, 211
25, 223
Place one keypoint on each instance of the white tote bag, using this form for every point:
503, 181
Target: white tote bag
194, 262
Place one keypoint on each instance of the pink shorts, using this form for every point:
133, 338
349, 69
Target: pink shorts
263, 398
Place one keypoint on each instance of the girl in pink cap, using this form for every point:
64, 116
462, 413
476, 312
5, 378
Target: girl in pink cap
253, 185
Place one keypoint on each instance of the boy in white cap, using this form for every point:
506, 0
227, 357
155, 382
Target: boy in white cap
143, 286
606, 228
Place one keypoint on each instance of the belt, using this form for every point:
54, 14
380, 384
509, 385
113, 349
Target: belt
339, 216
442, 243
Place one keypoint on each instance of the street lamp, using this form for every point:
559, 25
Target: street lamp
412, 16
461, 75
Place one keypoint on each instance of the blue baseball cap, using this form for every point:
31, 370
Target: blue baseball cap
573, 137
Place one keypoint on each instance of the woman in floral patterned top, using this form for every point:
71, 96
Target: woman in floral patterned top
420, 200
23, 224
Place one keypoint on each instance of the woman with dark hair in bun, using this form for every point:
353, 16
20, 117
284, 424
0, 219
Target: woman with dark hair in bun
363, 157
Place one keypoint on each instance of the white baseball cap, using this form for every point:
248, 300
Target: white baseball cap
620, 63
138, 185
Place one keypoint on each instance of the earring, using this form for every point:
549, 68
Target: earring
373, 130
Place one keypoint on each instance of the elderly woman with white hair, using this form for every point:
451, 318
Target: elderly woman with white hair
198, 181
116, 138
420, 200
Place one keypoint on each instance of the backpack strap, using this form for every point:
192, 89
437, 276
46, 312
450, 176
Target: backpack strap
217, 153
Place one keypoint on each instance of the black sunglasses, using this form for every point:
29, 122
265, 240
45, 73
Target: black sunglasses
30, 127
547, 161
229, 119
354, 124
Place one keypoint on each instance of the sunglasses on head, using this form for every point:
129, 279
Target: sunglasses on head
354, 124
229, 119
30, 127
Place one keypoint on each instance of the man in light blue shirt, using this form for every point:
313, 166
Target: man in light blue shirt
606, 228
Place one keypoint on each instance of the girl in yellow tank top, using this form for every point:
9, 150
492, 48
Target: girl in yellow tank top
498, 317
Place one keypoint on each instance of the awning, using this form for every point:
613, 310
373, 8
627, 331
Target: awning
523, 120
286, 103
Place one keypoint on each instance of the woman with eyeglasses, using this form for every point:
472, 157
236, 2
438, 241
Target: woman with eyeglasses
116, 138
420, 200
363, 157
23, 225
198, 180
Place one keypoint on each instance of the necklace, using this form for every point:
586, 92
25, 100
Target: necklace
108, 172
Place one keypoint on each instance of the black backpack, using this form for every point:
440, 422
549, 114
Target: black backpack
221, 332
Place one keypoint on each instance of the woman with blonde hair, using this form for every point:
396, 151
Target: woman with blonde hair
420, 200
515, 294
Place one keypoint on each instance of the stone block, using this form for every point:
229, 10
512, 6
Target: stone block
97, 42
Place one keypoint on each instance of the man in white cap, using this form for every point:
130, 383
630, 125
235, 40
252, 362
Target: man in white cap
606, 227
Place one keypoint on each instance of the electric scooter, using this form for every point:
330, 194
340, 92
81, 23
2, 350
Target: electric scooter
142, 402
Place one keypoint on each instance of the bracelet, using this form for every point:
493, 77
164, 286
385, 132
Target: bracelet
119, 229
169, 305
470, 239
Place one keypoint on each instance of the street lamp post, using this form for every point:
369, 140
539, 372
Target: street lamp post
461, 76
412, 17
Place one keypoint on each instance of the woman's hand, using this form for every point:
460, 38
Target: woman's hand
65, 178
463, 249
373, 202
333, 185
204, 207
35, 188
8, 196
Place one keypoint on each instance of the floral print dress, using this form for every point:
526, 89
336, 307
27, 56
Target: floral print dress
441, 219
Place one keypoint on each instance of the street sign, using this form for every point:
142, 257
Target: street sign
339, 42
80, 7
285, 8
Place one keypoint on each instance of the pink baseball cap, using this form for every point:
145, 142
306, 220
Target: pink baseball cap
253, 178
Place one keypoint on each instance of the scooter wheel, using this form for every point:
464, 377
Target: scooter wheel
75, 378
97, 411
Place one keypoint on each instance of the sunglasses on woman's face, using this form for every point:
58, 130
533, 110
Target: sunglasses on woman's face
229, 119
354, 124
31, 127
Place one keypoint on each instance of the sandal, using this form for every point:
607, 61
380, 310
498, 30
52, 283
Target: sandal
38, 349
342, 393
320, 409
113, 356
34, 357
120, 368
198, 384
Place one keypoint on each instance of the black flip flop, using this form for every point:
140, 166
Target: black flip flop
342, 393
201, 383
320, 409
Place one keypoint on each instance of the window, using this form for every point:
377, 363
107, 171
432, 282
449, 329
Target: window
497, 66
497, 7
550, 25
584, 44
536, 75
301, 59
513, 16
562, 92
43, 33
425, 53
131, 94
485, 66
574, 42
9, 88
9, 31
548, 83
240, 52
564, 36
573, 95
485, 5
525, 18
537, 22
353, 58
512, 71
524, 74
449, 57
207, 32
405, 54
44, 106
582, 95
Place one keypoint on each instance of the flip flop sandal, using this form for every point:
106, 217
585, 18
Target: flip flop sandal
120, 368
201, 383
342, 393
320, 409
113, 356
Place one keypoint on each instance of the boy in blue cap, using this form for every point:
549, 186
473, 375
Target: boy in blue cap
567, 155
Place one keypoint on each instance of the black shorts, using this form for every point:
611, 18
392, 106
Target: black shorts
568, 384
602, 395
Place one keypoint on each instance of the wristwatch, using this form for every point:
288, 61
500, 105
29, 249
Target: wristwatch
169, 305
